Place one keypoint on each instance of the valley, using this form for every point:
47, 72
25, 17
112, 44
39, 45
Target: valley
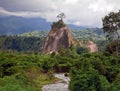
39, 55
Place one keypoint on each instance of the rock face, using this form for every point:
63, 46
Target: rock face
92, 46
59, 36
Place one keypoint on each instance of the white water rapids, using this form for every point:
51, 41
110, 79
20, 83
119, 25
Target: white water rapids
58, 86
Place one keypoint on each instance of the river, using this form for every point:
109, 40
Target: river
58, 86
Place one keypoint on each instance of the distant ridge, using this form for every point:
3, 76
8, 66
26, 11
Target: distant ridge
13, 25
17, 25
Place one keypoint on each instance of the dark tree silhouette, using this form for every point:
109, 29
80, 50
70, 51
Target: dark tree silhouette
61, 16
111, 26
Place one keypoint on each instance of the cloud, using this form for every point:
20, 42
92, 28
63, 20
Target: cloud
78, 12
101, 5
26, 14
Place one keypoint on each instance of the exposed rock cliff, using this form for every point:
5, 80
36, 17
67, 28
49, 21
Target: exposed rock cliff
60, 36
86, 44
92, 46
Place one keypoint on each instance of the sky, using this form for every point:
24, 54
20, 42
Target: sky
77, 12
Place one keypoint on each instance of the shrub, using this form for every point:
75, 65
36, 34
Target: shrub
89, 81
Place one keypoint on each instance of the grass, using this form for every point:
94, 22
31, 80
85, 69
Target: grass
38, 78
43, 79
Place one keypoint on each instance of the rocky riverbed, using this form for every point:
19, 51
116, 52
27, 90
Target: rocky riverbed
61, 85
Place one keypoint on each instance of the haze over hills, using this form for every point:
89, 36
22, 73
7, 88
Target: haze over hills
12, 25
17, 25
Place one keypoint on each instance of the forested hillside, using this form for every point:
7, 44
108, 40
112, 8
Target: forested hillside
21, 44
32, 41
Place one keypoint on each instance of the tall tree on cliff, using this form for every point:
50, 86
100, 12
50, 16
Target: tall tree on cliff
111, 26
61, 16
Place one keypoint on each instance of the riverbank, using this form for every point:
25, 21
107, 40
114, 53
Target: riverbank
61, 85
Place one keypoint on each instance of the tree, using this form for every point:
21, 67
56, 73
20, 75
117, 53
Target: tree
111, 26
89, 81
81, 50
61, 16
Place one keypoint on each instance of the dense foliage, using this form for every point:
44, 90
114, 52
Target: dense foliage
113, 47
28, 72
23, 72
95, 72
17, 43
59, 24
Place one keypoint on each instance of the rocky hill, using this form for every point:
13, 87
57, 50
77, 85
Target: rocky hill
61, 36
